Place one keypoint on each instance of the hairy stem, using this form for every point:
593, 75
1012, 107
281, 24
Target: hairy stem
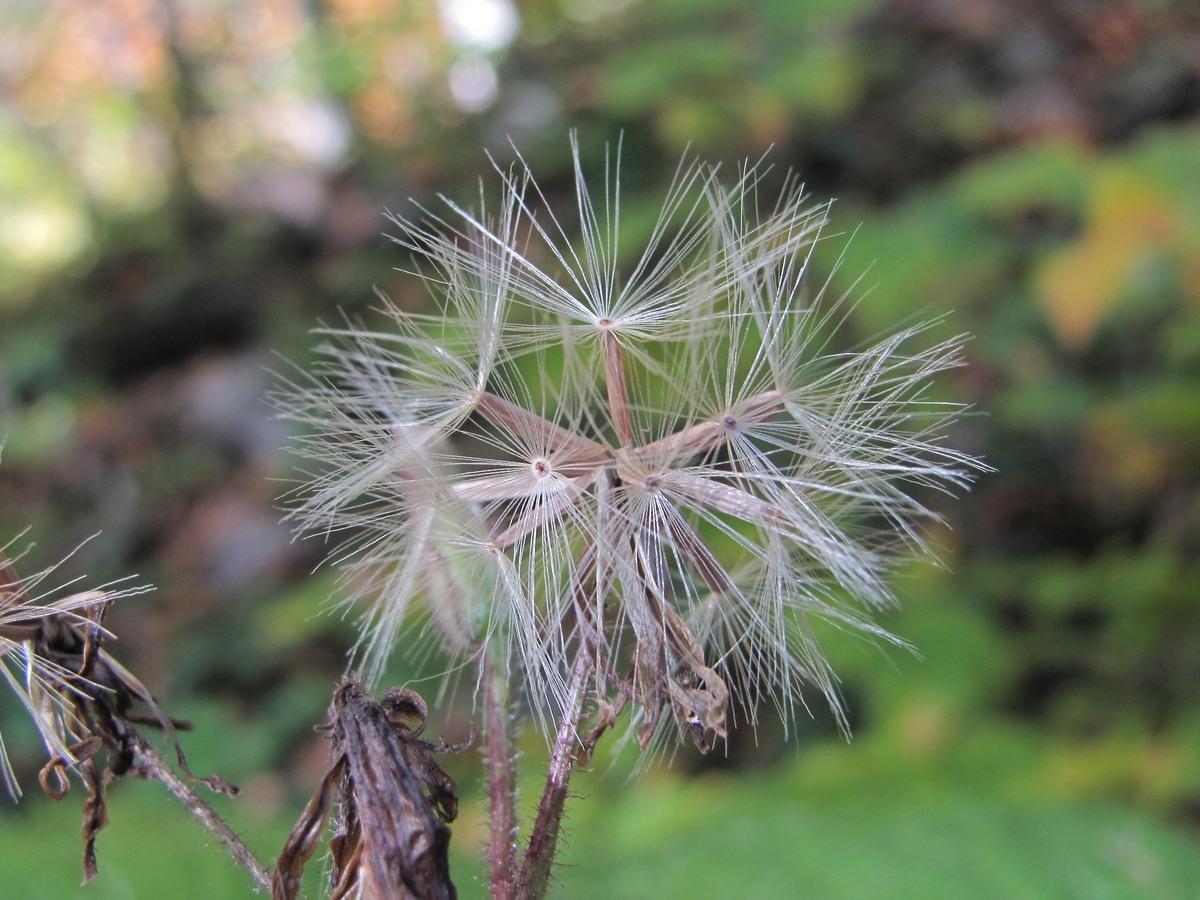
155, 767
543, 841
502, 785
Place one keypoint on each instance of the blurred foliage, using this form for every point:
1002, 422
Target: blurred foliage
187, 187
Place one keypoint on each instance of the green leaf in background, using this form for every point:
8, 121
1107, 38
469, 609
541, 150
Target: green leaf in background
772, 839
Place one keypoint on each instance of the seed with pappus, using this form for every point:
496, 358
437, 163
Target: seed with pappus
659, 465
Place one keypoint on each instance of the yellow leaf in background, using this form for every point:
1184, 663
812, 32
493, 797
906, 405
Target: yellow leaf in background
925, 727
1079, 284
1118, 453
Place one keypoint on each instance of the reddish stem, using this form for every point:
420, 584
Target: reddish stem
543, 841
502, 786
618, 391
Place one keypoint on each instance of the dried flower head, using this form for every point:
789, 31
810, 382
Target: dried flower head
83, 701
46, 681
660, 464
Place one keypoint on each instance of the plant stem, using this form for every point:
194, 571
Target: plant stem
155, 767
543, 841
502, 785
618, 391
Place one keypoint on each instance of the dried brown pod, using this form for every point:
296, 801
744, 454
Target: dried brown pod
394, 800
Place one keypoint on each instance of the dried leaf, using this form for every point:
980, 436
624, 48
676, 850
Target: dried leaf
391, 840
306, 835
405, 844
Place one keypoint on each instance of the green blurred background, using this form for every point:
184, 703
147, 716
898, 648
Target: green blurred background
187, 187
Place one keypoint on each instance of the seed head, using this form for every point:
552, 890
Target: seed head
660, 464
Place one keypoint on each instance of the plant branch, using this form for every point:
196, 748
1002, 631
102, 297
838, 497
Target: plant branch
155, 767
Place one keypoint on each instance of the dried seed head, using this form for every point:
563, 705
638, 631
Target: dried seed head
658, 463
